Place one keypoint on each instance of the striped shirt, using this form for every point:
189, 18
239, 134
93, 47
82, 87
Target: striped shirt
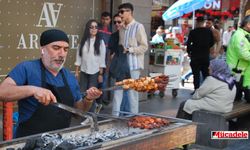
134, 38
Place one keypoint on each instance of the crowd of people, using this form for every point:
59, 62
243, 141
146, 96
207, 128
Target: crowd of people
224, 81
219, 61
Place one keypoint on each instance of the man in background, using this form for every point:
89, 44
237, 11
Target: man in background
105, 32
200, 40
214, 51
226, 37
133, 38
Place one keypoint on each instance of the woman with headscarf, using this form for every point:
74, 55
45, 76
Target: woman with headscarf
216, 94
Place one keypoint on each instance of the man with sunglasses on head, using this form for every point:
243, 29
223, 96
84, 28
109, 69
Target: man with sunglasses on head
133, 38
37, 83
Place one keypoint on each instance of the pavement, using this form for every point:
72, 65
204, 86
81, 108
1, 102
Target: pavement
168, 106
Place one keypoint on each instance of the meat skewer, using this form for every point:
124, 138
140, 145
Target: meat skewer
145, 84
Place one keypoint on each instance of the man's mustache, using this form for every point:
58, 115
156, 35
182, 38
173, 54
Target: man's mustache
60, 59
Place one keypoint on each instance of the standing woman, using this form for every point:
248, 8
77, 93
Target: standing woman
90, 58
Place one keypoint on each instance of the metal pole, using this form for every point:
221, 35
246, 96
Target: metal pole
93, 10
111, 11
193, 19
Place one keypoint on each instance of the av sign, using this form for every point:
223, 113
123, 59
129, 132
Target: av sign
49, 14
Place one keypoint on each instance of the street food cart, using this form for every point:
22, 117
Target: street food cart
168, 62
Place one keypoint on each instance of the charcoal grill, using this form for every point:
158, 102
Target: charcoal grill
179, 132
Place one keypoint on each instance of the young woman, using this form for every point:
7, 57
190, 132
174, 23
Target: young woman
90, 58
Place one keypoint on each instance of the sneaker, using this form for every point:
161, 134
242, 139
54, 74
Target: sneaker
182, 82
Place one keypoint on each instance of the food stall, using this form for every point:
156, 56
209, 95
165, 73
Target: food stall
167, 60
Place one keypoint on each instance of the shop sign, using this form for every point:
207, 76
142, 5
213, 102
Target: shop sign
22, 22
215, 5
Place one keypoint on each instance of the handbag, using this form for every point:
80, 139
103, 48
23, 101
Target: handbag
119, 67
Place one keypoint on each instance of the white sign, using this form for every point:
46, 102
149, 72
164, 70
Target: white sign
49, 14
215, 5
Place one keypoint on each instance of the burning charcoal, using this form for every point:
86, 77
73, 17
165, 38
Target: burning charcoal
30, 144
54, 138
65, 146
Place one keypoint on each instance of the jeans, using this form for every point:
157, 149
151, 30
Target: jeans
87, 81
133, 98
120, 102
134, 95
125, 104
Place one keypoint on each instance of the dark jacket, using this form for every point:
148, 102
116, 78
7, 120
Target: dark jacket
200, 40
119, 68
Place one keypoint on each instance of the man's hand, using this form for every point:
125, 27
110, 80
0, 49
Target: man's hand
77, 75
125, 50
44, 96
93, 93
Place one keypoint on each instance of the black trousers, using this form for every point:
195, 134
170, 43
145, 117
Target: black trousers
240, 90
247, 94
182, 114
197, 66
225, 48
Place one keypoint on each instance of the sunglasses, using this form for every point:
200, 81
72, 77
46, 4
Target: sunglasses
93, 27
119, 22
123, 10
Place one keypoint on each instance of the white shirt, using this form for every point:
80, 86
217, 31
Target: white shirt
89, 62
226, 37
157, 39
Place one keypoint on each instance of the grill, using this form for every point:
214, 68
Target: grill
116, 134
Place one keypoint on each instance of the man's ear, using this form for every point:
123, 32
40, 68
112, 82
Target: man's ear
42, 51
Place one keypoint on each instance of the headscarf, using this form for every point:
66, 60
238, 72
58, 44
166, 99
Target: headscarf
221, 71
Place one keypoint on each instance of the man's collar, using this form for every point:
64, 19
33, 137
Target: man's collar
126, 26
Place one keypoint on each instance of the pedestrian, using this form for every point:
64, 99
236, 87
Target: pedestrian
90, 58
37, 83
133, 38
158, 37
214, 51
105, 31
216, 93
226, 37
238, 58
119, 68
200, 40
